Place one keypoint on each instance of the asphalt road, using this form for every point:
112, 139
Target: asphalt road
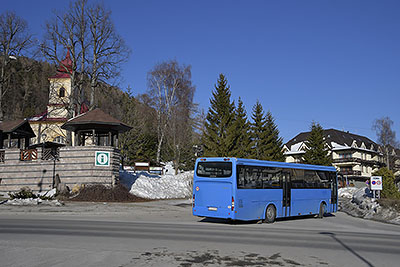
164, 233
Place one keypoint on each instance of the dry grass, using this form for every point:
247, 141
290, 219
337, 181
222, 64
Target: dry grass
390, 203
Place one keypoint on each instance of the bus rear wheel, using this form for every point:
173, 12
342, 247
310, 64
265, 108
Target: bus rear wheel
322, 210
270, 214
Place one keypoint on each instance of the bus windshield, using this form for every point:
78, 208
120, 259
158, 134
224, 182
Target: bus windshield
214, 169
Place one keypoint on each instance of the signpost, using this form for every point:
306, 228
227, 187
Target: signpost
376, 184
102, 158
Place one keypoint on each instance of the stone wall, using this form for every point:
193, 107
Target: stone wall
76, 165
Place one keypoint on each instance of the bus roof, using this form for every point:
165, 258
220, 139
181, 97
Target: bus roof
271, 163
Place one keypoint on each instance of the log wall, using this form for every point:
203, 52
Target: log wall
76, 165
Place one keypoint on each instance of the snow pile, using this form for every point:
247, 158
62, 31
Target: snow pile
51, 193
32, 202
151, 186
358, 202
347, 192
42, 198
164, 187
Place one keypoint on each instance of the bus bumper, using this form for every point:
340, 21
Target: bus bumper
212, 212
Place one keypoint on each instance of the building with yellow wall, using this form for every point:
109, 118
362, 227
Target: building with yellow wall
47, 126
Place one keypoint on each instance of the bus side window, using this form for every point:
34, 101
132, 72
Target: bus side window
325, 181
240, 177
297, 178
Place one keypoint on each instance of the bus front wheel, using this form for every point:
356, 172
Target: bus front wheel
322, 210
270, 214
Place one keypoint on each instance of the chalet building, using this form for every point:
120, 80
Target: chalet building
394, 155
355, 157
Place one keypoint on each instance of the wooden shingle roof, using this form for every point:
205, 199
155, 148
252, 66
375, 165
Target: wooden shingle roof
96, 119
17, 128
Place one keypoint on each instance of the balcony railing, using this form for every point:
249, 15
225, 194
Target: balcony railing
2, 156
28, 154
357, 160
350, 173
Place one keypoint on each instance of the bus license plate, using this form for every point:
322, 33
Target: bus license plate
212, 208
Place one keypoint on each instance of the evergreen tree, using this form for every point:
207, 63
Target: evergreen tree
219, 121
241, 133
266, 143
258, 132
317, 152
274, 143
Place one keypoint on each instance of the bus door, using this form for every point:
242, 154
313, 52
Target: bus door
334, 191
286, 193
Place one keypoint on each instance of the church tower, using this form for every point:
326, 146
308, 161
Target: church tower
47, 126
60, 91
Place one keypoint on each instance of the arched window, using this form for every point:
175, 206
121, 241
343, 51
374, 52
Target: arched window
62, 92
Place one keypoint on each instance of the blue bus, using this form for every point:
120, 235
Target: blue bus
247, 189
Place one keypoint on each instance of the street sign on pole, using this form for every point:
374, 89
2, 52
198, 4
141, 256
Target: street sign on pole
376, 182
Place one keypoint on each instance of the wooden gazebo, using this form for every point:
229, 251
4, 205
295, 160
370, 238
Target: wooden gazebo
18, 130
97, 126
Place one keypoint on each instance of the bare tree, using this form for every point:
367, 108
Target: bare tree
68, 31
14, 40
61, 37
87, 32
108, 49
386, 136
97, 51
172, 91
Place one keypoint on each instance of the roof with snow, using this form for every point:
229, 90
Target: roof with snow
336, 140
95, 119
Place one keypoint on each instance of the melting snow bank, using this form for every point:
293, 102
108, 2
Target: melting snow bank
35, 201
32, 202
150, 186
358, 202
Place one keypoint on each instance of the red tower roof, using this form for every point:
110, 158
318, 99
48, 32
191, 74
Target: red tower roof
65, 68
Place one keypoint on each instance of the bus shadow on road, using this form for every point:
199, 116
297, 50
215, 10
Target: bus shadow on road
238, 222
226, 221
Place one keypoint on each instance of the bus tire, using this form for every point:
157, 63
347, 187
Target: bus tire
270, 214
322, 210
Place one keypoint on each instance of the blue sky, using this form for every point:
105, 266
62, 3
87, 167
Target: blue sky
333, 62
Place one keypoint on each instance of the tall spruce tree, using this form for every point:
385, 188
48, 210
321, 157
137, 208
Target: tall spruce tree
258, 132
241, 133
219, 121
317, 152
274, 143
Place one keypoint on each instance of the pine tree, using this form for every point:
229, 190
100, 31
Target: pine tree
241, 133
258, 132
317, 152
219, 121
274, 143
266, 143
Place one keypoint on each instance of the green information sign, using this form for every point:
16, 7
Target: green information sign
102, 158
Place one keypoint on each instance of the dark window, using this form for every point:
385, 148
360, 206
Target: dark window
326, 178
255, 177
62, 92
310, 179
297, 178
214, 169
